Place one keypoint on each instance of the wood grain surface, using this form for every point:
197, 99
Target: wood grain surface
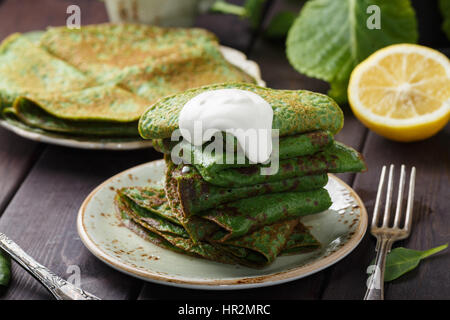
42, 186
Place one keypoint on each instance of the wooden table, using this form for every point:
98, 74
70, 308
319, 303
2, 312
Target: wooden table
42, 186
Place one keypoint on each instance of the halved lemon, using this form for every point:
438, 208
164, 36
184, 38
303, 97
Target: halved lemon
402, 92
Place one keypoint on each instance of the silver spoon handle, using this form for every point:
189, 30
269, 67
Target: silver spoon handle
60, 288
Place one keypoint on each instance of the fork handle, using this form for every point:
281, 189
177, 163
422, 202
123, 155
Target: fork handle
375, 289
60, 288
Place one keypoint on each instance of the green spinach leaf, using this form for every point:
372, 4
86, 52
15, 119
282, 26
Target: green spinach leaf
444, 5
402, 260
329, 38
5, 268
254, 9
280, 24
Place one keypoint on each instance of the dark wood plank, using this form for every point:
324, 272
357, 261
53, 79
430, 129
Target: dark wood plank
431, 225
17, 155
301, 289
42, 219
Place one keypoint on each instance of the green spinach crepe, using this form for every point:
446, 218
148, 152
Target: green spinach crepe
196, 195
294, 111
144, 211
231, 212
300, 155
242, 214
151, 62
44, 92
250, 225
27, 111
27, 68
98, 80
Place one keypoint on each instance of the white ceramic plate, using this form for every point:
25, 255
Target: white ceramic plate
339, 229
234, 56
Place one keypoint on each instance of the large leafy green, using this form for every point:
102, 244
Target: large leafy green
402, 260
329, 38
444, 5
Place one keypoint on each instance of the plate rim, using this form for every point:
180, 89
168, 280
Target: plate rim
128, 145
74, 143
224, 284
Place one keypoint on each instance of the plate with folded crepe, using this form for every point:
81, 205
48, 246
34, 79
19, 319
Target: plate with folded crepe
213, 225
87, 88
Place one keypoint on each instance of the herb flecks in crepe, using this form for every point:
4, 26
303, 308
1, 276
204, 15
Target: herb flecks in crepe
197, 195
250, 225
307, 154
289, 146
150, 61
336, 158
237, 214
294, 112
30, 113
28, 69
256, 249
243, 216
242, 213
47, 93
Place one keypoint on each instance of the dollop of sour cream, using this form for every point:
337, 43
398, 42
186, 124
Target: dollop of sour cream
244, 114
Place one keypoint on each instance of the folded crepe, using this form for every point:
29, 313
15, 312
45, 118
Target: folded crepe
151, 62
250, 225
196, 195
294, 111
102, 99
28, 69
98, 80
44, 92
299, 155
256, 249
240, 215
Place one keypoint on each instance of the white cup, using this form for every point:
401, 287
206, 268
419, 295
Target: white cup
174, 13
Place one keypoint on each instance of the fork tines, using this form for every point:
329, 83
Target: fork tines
398, 211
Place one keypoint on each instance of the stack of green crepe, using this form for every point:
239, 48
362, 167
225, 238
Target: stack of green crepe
98, 80
230, 212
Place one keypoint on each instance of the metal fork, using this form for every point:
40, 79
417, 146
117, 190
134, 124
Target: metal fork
385, 234
60, 288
